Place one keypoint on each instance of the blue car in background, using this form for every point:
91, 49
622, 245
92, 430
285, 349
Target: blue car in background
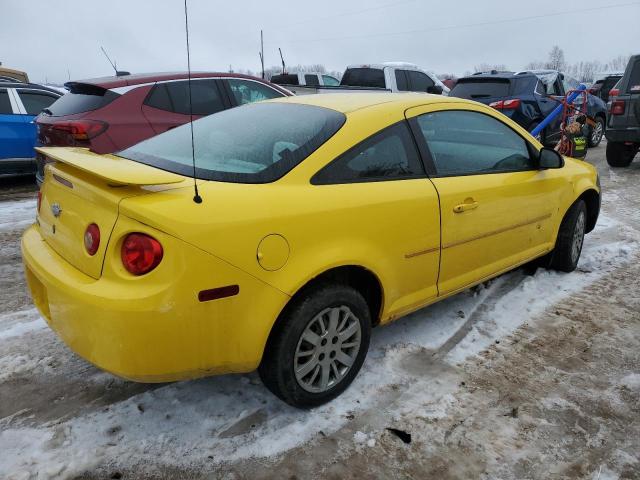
19, 105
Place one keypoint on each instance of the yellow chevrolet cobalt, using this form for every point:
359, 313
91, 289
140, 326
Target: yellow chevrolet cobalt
321, 217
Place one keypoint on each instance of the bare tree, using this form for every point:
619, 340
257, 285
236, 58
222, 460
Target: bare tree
487, 67
556, 59
618, 63
535, 65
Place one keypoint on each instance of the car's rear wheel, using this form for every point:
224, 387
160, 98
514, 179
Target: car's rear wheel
619, 154
596, 132
566, 254
318, 346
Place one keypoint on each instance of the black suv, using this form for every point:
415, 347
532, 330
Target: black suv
528, 97
623, 130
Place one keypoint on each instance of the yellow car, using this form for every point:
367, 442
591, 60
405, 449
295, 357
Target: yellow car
320, 217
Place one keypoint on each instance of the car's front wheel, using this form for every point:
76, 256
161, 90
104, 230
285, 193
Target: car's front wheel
596, 132
570, 239
619, 154
318, 346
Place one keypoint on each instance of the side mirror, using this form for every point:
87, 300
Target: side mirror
549, 158
436, 89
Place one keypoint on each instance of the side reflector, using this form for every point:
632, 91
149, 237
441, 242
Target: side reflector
216, 293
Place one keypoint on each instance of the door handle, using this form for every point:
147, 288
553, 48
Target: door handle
469, 204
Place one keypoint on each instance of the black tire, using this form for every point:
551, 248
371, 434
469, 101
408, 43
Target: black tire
620, 155
596, 133
277, 369
565, 256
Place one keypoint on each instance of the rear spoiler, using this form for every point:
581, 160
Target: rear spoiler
115, 170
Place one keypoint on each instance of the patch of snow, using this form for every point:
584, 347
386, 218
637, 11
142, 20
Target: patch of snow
17, 215
360, 437
19, 323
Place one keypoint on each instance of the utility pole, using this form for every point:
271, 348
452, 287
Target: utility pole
262, 53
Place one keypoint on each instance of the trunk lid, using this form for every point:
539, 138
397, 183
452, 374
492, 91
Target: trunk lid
82, 188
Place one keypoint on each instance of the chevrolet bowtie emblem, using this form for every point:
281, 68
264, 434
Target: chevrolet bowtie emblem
56, 209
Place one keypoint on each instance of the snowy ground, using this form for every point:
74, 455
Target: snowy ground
523, 377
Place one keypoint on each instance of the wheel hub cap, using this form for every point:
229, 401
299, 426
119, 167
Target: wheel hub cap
578, 237
327, 349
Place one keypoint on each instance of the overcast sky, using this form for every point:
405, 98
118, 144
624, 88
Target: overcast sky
47, 39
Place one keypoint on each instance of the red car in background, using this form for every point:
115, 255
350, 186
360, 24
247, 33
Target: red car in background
112, 113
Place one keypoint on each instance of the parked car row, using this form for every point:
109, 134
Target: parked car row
112, 113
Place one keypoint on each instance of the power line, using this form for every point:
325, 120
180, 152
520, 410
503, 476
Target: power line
468, 25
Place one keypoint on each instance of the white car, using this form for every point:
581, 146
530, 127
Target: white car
394, 77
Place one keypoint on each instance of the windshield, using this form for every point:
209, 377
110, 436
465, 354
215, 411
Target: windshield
363, 77
256, 143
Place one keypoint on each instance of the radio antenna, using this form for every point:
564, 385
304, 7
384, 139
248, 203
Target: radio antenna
196, 197
284, 68
112, 63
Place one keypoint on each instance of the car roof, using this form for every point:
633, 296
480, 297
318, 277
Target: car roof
140, 78
496, 74
346, 103
4, 84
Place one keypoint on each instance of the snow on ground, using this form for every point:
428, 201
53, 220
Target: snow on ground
233, 417
17, 215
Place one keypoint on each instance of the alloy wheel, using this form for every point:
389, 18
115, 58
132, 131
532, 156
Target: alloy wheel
327, 349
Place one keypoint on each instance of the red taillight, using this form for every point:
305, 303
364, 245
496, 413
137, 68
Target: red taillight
39, 200
92, 239
614, 92
80, 129
506, 104
617, 107
140, 253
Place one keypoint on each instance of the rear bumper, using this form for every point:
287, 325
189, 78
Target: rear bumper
154, 329
17, 166
631, 134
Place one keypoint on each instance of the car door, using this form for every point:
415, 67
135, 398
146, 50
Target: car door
497, 209
382, 180
243, 91
30, 102
12, 127
167, 104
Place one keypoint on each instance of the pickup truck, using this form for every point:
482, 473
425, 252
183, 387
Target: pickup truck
305, 79
382, 77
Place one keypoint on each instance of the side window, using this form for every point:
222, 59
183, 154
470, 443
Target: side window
401, 81
540, 88
174, 97
246, 91
34, 102
5, 103
388, 155
472, 143
311, 80
569, 83
634, 79
420, 82
330, 81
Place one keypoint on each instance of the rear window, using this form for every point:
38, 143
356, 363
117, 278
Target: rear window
634, 79
481, 88
255, 143
285, 79
81, 98
363, 77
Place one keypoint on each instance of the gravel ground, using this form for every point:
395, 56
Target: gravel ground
529, 376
